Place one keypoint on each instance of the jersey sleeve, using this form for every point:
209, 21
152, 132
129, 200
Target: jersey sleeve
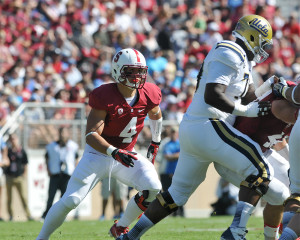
153, 95
219, 72
97, 99
230, 55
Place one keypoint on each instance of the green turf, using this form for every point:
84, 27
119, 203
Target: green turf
169, 228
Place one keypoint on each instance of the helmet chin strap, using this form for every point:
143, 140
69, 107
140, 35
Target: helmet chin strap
237, 35
259, 56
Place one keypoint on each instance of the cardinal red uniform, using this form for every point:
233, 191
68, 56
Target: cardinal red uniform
123, 123
265, 130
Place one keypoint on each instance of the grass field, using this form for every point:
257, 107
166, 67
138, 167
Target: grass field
169, 228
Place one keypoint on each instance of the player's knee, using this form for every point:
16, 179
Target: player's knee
144, 198
259, 184
71, 202
277, 193
295, 198
166, 200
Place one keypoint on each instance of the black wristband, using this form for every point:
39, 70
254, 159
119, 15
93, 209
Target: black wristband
156, 143
113, 154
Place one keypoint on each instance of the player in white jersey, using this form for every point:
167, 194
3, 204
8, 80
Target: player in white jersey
291, 216
224, 90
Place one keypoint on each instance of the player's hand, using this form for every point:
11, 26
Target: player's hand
280, 88
255, 109
152, 151
124, 157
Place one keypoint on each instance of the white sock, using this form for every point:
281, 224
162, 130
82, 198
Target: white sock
271, 233
242, 214
55, 217
131, 213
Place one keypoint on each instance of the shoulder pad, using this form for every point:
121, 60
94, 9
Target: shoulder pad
230, 54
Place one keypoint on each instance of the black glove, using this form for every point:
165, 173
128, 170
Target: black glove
152, 151
124, 157
264, 108
280, 88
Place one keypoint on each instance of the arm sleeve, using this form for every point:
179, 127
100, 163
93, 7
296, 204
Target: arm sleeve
218, 72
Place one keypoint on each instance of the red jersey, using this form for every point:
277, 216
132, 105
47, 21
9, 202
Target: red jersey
265, 130
123, 123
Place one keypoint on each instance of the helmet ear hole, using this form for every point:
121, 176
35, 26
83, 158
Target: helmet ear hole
251, 38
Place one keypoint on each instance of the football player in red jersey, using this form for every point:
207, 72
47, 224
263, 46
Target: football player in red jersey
113, 125
291, 216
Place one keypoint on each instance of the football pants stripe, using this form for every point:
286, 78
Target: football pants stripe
243, 146
232, 47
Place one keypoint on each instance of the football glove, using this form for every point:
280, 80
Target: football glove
253, 109
152, 151
124, 157
280, 88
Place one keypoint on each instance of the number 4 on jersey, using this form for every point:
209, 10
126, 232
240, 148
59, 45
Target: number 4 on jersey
129, 131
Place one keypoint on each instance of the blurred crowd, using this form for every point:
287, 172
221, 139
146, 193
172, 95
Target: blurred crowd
59, 50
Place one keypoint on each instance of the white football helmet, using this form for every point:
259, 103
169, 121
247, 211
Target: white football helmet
129, 68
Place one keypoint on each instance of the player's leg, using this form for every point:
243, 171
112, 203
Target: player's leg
273, 213
242, 155
189, 173
89, 171
120, 194
292, 231
142, 177
293, 202
275, 197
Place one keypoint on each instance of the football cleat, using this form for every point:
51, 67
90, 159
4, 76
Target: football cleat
116, 231
234, 234
124, 237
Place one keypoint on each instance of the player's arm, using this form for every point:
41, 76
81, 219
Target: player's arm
94, 129
284, 111
215, 92
292, 93
215, 96
155, 121
250, 95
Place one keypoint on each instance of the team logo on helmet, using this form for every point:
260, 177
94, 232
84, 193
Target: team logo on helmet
262, 28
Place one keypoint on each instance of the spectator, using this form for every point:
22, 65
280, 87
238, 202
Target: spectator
15, 174
212, 35
157, 63
171, 153
61, 160
227, 195
118, 191
4, 162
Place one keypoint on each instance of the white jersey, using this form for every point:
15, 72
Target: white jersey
226, 64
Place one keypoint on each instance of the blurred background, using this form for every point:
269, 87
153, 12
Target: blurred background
54, 52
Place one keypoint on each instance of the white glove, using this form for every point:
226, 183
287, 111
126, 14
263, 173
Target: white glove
253, 109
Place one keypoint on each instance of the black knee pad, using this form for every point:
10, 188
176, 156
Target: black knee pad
259, 184
140, 199
294, 197
166, 200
